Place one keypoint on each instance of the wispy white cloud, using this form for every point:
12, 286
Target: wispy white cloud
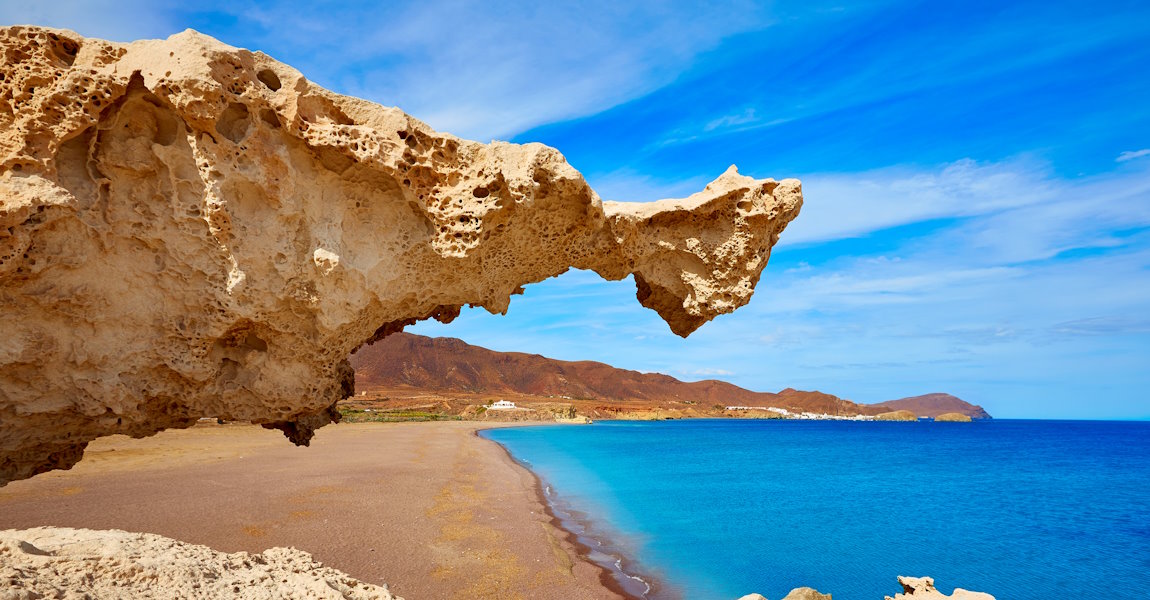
479, 70
1029, 212
1132, 154
1103, 326
992, 53
841, 205
484, 70
739, 122
732, 120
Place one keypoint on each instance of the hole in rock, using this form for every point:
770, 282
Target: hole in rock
269, 116
377, 380
254, 342
269, 78
65, 49
234, 122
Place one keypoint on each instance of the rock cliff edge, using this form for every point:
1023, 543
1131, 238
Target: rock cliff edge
193, 230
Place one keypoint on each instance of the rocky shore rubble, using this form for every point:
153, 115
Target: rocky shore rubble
58, 562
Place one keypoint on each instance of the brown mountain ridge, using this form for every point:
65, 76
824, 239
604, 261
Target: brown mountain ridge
449, 371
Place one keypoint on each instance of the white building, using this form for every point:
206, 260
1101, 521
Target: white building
501, 405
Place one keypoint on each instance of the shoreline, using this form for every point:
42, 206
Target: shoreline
607, 576
430, 509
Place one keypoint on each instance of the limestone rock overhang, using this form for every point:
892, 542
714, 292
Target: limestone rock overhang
191, 230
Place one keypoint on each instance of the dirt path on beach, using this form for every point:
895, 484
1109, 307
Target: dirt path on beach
430, 509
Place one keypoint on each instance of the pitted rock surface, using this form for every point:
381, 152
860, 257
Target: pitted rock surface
191, 230
59, 562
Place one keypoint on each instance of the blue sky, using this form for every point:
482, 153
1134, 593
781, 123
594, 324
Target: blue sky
977, 174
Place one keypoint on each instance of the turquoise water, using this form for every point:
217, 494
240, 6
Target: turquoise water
721, 508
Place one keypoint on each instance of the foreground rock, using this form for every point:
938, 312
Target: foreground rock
953, 418
193, 230
922, 588
56, 562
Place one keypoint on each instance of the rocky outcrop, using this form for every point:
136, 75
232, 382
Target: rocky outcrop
913, 588
953, 418
803, 593
57, 562
898, 415
188, 229
922, 588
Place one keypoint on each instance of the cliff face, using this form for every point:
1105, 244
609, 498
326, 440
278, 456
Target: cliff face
193, 230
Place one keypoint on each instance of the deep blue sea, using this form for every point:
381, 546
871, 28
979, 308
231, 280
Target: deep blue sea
721, 508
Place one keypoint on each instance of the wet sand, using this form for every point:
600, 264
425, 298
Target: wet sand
430, 509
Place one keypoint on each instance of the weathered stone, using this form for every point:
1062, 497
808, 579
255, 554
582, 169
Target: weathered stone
192, 230
58, 562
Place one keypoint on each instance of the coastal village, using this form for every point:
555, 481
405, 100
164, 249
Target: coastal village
804, 416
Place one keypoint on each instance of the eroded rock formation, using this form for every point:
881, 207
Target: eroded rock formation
58, 562
193, 230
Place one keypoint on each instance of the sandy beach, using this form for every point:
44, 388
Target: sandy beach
430, 509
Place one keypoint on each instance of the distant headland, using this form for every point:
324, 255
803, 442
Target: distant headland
413, 377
